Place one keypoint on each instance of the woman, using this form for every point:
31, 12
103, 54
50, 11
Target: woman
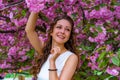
58, 59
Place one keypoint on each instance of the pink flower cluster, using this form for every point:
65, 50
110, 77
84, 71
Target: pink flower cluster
93, 64
36, 5
100, 38
112, 71
1, 5
103, 13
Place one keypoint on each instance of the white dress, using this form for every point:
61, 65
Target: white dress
60, 61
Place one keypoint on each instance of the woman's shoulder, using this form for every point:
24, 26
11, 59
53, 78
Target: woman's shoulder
73, 56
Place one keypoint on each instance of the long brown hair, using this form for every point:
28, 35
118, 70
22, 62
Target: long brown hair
69, 45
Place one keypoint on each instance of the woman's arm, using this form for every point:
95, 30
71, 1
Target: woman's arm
53, 74
69, 68
55, 51
31, 33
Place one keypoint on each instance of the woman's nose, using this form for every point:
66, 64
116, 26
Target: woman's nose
63, 30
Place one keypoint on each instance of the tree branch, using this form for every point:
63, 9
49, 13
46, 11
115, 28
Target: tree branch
12, 4
11, 31
4, 17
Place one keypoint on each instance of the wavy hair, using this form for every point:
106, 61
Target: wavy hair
69, 45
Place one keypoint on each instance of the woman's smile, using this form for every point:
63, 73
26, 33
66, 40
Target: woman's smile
61, 36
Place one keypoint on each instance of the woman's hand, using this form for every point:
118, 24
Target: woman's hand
55, 51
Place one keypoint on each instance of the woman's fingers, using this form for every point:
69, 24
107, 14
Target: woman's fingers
55, 50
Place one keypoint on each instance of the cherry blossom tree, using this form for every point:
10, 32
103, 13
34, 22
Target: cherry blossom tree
97, 25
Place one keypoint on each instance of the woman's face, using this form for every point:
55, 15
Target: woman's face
61, 31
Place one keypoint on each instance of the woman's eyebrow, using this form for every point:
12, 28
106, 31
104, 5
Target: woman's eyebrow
62, 25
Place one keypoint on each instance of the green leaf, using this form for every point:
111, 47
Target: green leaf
104, 77
117, 4
58, 10
102, 5
43, 17
118, 53
103, 63
92, 78
87, 47
58, 1
74, 15
99, 29
101, 48
83, 57
77, 77
97, 7
30, 53
109, 41
83, 73
23, 12
113, 78
115, 60
86, 29
96, 72
102, 55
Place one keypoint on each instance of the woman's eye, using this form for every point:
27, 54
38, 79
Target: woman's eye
68, 29
58, 27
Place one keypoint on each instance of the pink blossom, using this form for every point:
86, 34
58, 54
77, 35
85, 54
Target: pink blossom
117, 12
1, 1
2, 22
93, 65
94, 14
36, 5
1, 4
108, 47
99, 22
0, 50
112, 71
5, 65
23, 58
11, 40
13, 50
11, 15
97, 2
106, 14
94, 57
100, 38
92, 29
91, 39
19, 22
21, 53
81, 36
117, 38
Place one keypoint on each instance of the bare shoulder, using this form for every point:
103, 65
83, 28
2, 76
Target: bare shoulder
73, 57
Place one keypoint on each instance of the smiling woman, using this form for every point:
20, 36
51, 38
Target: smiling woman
61, 31
57, 56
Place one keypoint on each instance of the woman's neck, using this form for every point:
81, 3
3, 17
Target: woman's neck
61, 46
